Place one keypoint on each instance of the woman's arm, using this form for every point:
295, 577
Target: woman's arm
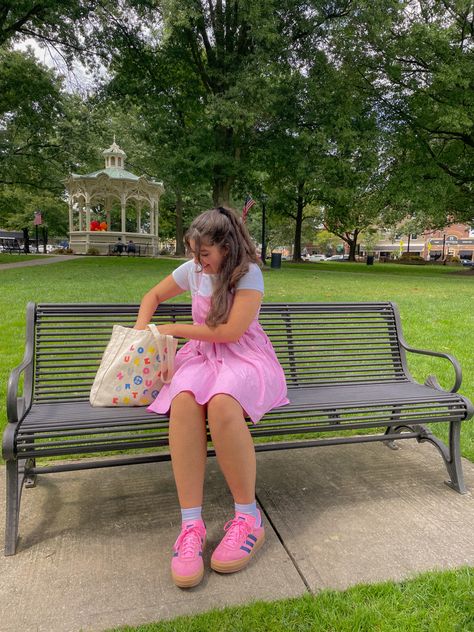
243, 311
163, 291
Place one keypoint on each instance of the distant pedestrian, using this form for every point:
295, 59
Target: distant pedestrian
119, 246
131, 248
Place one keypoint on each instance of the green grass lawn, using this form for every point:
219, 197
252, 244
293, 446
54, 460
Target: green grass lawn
436, 309
435, 303
432, 602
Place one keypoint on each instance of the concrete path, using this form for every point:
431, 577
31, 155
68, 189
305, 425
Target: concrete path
95, 545
36, 262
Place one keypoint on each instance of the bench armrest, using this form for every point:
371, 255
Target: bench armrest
17, 406
431, 379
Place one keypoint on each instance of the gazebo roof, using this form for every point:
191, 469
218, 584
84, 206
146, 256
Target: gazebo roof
115, 173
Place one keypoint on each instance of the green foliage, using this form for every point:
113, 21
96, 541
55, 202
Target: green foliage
418, 61
411, 258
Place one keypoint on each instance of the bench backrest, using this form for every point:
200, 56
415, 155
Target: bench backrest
316, 343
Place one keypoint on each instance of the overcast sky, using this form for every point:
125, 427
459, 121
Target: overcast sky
78, 79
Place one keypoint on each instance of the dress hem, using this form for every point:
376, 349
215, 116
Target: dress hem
161, 409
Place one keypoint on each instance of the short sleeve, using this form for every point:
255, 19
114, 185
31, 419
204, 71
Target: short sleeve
252, 280
181, 274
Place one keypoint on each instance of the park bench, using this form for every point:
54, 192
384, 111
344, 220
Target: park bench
11, 245
345, 365
137, 250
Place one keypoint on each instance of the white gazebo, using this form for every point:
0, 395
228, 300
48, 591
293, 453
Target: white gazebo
113, 188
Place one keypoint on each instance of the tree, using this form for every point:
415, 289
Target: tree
418, 59
213, 65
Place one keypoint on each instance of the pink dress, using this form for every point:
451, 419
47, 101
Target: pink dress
248, 369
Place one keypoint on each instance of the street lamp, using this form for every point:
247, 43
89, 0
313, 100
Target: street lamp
264, 199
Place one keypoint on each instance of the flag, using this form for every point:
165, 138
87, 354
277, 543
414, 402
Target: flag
38, 219
249, 202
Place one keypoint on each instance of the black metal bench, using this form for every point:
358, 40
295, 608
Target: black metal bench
135, 250
11, 245
345, 365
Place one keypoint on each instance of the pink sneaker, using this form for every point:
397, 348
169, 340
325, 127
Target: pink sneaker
237, 547
187, 568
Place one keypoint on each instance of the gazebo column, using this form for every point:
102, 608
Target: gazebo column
123, 215
71, 225
157, 219
152, 218
139, 216
108, 208
80, 208
88, 223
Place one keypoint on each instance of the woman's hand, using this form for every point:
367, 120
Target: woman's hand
168, 330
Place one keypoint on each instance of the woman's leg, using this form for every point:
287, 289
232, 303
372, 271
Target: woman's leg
234, 446
188, 446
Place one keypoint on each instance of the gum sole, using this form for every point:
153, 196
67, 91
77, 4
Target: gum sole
233, 567
187, 582
193, 580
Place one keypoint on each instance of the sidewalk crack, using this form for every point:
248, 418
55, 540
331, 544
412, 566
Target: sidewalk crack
287, 550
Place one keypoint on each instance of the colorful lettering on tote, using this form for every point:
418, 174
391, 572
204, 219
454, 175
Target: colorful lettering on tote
115, 400
127, 387
140, 349
132, 348
151, 350
127, 358
154, 394
137, 380
126, 400
120, 375
148, 383
147, 360
136, 361
146, 370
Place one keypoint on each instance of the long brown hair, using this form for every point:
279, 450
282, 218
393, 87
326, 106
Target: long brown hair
222, 227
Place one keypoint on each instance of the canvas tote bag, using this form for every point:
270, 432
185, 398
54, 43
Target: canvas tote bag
134, 367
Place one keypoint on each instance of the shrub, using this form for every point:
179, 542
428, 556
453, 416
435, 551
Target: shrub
93, 251
452, 259
412, 259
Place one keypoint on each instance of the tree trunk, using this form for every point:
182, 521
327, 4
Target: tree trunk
299, 222
222, 180
352, 242
26, 241
221, 188
180, 250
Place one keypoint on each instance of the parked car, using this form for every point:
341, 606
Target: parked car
315, 257
338, 258
467, 262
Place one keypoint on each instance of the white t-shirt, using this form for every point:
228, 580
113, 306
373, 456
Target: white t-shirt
189, 277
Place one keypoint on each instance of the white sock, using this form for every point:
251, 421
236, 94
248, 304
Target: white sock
250, 509
193, 513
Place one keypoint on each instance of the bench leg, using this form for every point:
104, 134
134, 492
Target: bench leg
451, 455
16, 477
30, 477
13, 507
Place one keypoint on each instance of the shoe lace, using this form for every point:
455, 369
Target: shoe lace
187, 542
236, 531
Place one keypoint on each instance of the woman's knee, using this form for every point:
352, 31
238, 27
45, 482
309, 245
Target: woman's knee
185, 402
224, 409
